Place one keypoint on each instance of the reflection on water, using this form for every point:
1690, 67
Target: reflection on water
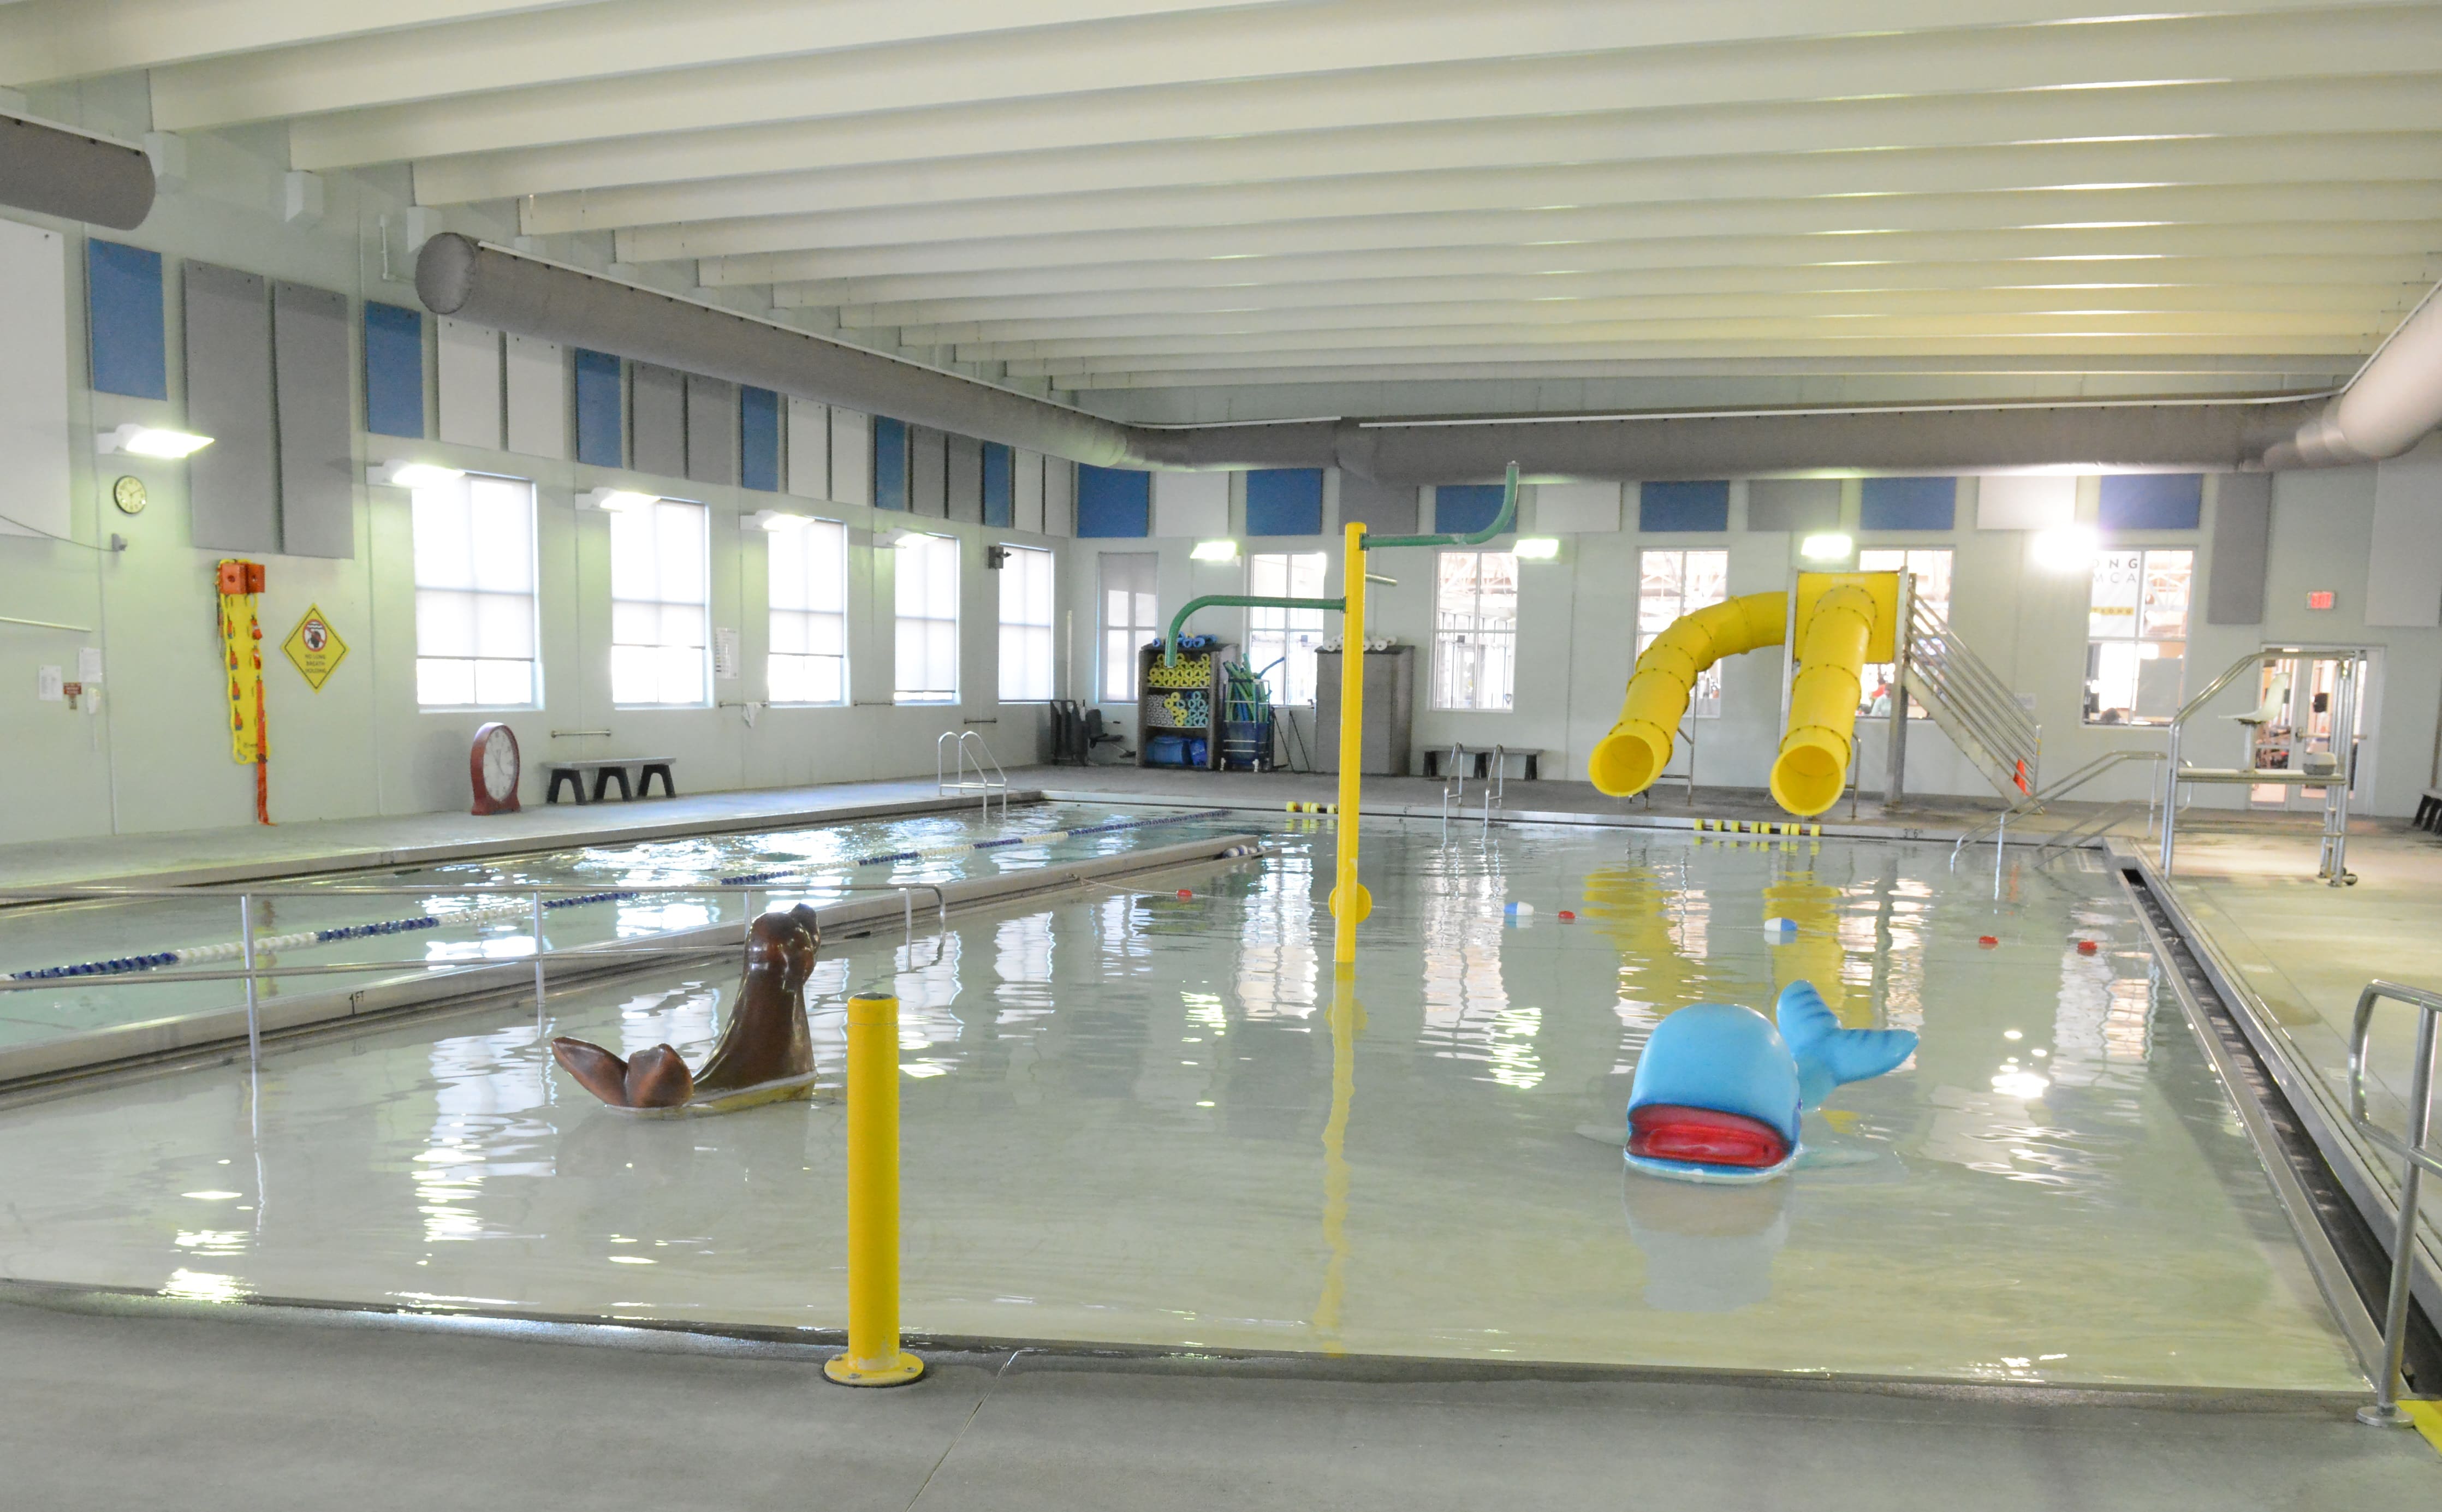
1137, 1117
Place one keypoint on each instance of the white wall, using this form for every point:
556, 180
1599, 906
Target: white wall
1577, 620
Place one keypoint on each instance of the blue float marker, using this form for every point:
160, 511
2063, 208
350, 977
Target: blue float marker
1780, 931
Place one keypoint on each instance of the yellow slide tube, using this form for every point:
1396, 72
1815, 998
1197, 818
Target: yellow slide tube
1626, 761
1813, 768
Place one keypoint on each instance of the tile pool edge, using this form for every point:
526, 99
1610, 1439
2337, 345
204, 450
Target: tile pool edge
30, 1067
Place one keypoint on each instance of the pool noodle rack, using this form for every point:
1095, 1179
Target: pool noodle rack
1198, 674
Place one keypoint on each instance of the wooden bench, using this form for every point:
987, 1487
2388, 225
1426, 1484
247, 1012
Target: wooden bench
1479, 760
605, 770
2429, 811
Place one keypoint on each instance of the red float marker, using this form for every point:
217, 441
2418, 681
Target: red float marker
1988, 941
1184, 893
1567, 917
2088, 947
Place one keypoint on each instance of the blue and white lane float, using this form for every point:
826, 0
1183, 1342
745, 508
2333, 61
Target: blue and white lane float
486, 913
1719, 1088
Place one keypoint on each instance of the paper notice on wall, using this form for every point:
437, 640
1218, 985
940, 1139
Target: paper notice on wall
89, 665
49, 685
724, 652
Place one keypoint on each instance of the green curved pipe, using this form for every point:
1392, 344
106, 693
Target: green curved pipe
1170, 637
1501, 524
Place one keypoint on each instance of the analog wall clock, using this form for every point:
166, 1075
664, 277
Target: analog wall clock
493, 765
128, 494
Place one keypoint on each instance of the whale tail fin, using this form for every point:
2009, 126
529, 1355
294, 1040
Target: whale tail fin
1827, 1055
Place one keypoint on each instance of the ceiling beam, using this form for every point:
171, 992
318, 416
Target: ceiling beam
608, 42
44, 41
1857, 224
2318, 110
2072, 249
1855, 183
1931, 377
2407, 276
1351, 40
2381, 305
2110, 348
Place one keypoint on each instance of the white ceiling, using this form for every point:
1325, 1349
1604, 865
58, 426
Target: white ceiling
1133, 194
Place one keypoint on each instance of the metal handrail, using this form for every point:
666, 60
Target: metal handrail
1496, 786
2417, 1158
1954, 666
2356, 660
2037, 802
985, 782
1453, 773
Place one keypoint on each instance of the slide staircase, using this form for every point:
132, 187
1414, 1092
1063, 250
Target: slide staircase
1971, 704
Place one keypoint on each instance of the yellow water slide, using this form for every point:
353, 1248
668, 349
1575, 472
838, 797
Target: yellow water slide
1626, 761
1844, 620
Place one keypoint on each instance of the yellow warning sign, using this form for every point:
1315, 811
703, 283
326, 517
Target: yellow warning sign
315, 648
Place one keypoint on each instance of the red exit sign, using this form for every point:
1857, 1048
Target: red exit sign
2318, 598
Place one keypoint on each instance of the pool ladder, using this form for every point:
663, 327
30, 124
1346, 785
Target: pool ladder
2418, 1156
989, 778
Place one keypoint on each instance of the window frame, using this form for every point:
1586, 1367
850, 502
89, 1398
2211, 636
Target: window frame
796, 537
1292, 637
1119, 659
466, 484
1704, 700
1027, 557
2089, 700
1502, 642
662, 602
948, 549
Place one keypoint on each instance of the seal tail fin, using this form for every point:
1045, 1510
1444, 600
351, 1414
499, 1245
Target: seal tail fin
656, 1078
1829, 1055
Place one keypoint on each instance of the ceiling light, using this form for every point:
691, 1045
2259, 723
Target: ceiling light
1537, 548
773, 519
615, 500
400, 474
1830, 546
149, 440
2065, 548
1215, 550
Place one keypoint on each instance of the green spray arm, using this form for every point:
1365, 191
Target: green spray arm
1501, 524
1170, 637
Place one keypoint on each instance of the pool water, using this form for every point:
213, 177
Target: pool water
53, 934
1140, 1117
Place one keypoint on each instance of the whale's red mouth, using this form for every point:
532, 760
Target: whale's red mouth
1667, 1131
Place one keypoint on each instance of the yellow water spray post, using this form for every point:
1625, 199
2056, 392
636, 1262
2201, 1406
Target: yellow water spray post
1350, 902
873, 1357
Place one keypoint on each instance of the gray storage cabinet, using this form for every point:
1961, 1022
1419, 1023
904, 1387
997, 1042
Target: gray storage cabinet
1390, 711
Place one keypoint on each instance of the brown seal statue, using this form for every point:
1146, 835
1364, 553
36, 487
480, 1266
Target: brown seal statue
766, 1048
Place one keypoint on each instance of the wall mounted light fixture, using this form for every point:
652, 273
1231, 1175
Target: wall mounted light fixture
399, 473
149, 440
615, 500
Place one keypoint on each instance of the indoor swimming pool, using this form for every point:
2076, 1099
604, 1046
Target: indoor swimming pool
482, 929
1142, 1113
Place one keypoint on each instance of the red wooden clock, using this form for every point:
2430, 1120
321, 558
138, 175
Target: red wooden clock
492, 765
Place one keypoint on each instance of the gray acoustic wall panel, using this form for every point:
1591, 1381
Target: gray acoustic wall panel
309, 377
928, 472
657, 420
1793, 503
712, 430
233, 484
2242, 543
965, 479
1383, 509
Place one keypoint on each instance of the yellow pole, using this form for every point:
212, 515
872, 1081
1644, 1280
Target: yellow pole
873, 1357
1349, 900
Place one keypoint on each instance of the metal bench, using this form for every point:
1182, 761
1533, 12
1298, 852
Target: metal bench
1479, 759
607, 769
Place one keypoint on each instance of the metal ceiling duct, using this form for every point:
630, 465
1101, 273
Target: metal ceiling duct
2389, 407
53, 170
495, 286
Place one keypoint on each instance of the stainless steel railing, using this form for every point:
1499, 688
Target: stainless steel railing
2417, 1156
2035, 803
1970, 702
985, 782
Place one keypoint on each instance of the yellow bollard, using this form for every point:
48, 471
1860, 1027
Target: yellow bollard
873, 1357
1350, 902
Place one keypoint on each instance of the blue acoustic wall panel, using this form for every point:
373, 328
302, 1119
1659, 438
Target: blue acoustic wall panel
1908, 504
393, 371
123, 318
598, 408
2152, 500
758, 439
1000, 495
1683, 507
1114, 502
1285, 501
1462, 509
889, 462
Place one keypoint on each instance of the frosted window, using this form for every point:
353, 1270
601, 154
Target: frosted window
808, 603
928, 619
1025, 624
1281, 641
475, 635
1128, 619
660, 597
